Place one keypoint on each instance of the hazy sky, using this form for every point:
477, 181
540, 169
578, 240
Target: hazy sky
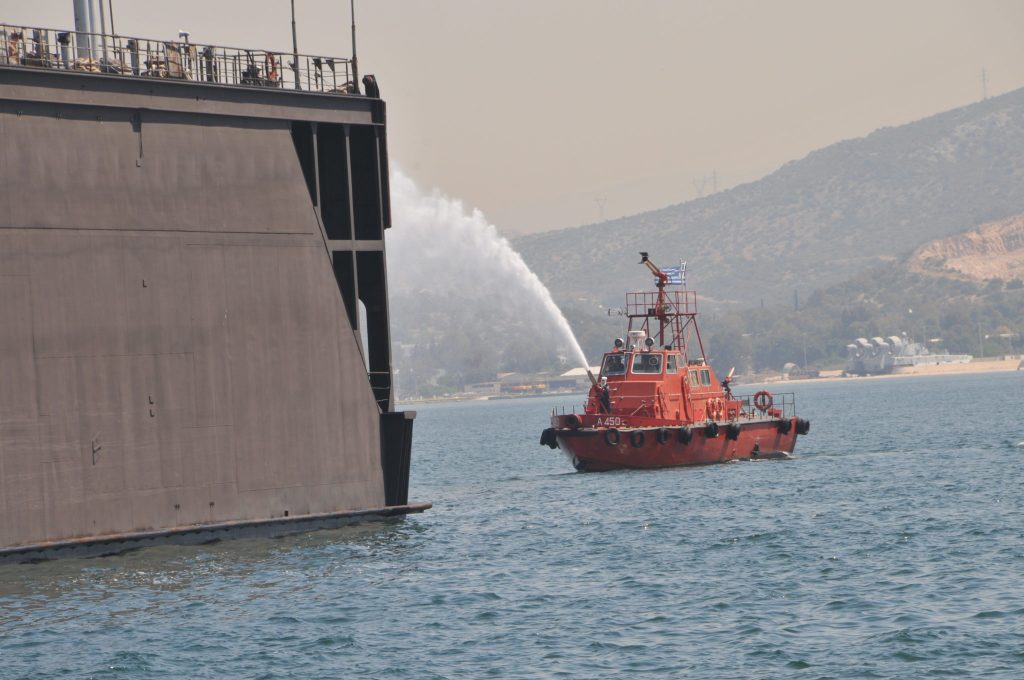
541, 111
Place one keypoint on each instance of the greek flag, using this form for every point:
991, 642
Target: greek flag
676, 275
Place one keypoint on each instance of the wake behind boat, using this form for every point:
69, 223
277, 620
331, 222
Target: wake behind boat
658, 402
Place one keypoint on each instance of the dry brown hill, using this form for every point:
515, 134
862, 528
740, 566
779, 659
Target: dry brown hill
992, 251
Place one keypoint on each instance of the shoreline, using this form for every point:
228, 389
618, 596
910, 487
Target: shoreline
1002, 365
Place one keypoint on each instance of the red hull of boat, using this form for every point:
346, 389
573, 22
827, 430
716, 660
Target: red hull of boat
596, 449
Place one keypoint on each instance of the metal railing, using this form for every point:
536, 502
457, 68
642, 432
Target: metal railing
783, 406
673, 303
48, 48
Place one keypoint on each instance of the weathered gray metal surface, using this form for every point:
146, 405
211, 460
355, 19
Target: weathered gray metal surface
174, 349
198, 534
185, 97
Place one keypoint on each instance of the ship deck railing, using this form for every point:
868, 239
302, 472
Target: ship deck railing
783, 406
118, 55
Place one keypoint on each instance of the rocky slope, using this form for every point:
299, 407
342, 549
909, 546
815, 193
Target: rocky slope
991, 251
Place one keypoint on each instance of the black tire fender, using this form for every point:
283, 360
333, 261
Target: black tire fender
611, 437
636, 438
685, 435
662, 435
711, 430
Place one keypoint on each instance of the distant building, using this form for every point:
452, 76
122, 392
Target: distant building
884, 355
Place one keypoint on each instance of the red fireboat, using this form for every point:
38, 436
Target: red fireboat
659, 404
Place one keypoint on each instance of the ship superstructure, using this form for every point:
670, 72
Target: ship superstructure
194, 333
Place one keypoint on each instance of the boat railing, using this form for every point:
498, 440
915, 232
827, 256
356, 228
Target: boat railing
671, 303
783, 406
118, 55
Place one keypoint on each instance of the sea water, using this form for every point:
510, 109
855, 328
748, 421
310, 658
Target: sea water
891, 546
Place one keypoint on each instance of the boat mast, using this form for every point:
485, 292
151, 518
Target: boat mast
659, 305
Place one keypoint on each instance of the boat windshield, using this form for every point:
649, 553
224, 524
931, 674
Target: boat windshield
647, 363
672, 363
614, 364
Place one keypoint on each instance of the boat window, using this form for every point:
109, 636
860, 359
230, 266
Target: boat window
672, 363
705, 377
614, 364
646, 363
694, 380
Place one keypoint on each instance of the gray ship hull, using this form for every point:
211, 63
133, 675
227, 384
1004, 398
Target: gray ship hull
183, 270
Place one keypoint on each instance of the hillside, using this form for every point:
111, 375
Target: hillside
967, 289
992, 251
818, 221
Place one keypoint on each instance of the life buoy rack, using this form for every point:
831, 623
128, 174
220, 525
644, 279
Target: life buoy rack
763, 401
611, 437
714, 408
636, 438
270, 68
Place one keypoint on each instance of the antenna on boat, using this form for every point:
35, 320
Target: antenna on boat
295, 50
355, 61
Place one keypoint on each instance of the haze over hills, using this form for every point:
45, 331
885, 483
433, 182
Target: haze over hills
815, 222
917, 229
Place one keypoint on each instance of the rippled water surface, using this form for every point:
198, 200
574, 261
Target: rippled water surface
892, 546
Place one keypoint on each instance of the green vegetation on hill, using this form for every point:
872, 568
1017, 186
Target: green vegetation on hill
887, 300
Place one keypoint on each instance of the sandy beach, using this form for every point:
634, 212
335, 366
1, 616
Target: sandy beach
993, 365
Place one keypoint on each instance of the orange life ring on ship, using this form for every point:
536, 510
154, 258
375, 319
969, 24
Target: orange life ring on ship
714, 408
270, 67
763, 401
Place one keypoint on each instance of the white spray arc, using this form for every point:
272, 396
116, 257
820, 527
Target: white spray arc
437, 244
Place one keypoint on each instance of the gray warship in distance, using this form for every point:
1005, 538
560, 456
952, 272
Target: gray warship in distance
194, 333
885, 355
